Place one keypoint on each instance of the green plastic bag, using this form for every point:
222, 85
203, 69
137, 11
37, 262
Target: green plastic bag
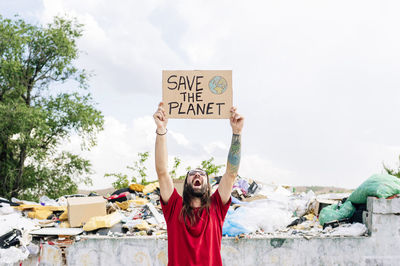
334, 212
378, 185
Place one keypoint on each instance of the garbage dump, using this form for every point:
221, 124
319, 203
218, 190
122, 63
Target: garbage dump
256, 210
350, 209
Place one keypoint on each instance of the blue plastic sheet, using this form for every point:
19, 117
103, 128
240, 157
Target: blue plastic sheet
231, 225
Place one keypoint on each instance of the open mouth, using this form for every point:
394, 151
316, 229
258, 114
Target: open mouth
197, 183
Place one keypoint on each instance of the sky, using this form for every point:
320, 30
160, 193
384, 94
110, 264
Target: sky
317, 82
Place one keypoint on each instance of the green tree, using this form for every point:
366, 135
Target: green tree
139, 173
177, 162
36, 117
122, 180
210, 167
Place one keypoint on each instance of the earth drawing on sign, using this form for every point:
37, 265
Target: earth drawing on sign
218, 85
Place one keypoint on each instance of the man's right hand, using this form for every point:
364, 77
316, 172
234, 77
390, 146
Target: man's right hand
160, 117
161, 154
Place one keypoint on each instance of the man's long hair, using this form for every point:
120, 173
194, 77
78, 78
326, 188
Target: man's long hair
187, 212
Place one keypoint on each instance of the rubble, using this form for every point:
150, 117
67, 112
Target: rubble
257, 210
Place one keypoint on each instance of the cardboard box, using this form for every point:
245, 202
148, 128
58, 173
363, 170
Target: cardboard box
80, 209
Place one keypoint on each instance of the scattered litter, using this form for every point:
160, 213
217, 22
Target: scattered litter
13, 255
57, 231
6, 209
356, 229
105, 221
159, 217
81, 209
336, 212
46, 201
257, 209
10, 238
124, 196
136, 187
378, 185
150, 188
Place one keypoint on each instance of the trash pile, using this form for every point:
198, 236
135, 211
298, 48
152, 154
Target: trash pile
24, 225
273, 210
256, 210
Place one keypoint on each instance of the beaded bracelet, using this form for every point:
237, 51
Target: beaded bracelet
166, 130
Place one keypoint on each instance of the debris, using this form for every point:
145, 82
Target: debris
143, 226
235, 200
136, 187
355, 229
13, 255
105, 221
80, 209
298, 221
64, 225
139, 202
253, 188
10, 203
33, 249
378, 185
253, 198
64, 216
10, 238
123, 205
159, 217
5, 208
46, 201
117, 228
150, 188
256, 209
40, 214
336, 223
56, 231
120, 197
336, 212
268, 215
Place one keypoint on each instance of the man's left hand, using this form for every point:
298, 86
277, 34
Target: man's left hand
236, 121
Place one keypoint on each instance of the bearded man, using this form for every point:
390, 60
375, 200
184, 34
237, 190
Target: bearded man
194, 221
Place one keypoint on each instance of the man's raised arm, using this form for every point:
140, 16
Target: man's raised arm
161, 154
232, 166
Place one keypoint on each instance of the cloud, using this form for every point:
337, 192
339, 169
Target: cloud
123, 47
179, 138
216, 147
260, 169
118, 146
317, 83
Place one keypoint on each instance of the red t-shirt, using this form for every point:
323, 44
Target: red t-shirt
199, 244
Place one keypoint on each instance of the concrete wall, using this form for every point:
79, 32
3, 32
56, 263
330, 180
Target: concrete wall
380, 248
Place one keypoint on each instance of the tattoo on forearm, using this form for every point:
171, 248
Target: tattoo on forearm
234, 154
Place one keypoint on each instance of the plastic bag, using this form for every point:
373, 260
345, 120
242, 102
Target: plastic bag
13, 255
232, 227
335, 212
46, 201
378, 185
268, 215
6, 209
356, 229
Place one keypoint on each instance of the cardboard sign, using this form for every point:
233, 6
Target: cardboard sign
197, 93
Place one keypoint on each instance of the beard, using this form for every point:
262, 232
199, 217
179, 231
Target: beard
189, 193
198, 193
